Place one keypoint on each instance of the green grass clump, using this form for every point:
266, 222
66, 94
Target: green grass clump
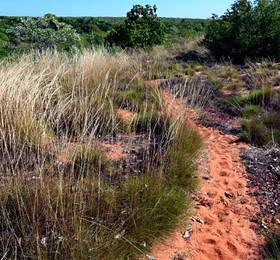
254, 132
180, 169
138, 97
155, 125
234, 85
214, 80
88, 160
250, 110
226, 72
155, 209
259, 97
272, 247
261, 129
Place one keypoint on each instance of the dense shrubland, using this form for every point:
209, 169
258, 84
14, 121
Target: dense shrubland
246, 31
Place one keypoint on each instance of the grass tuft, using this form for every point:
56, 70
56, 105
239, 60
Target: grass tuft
88, 160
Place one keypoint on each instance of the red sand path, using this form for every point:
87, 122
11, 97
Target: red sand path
228, 229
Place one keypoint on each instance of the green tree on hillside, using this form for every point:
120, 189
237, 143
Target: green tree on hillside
142, 28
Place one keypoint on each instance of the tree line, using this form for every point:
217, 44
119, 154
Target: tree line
141, 28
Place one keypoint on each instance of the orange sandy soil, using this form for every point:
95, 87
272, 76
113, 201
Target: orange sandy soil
126, 115
223, 226
113, 151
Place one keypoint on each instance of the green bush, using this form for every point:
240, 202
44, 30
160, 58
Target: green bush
245, 31
43, 33
142, 28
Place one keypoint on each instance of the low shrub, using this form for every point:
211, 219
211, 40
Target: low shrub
262, 129
254, 132
248, 30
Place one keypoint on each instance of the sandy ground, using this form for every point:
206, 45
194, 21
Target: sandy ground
223, 226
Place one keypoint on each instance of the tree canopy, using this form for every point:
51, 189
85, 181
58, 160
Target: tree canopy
42, 33
142, 28
247, 30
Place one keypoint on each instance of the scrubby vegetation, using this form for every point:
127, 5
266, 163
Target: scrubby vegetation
92, 164
62, 196
248, 30
141, 28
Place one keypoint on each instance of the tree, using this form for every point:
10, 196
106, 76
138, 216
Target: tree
246, 31
142, 28
43, 33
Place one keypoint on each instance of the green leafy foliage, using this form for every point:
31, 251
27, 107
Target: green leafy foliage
246, 31
42, 33
142, 28
87, 31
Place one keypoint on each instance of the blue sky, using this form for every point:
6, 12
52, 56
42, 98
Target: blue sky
166, 8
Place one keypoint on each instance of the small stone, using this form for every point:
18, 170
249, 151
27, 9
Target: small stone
206, 177
179, 256
117, 236
44, 241
229, 195
197, 219
144, 244
150, 257
186, 235
264, 225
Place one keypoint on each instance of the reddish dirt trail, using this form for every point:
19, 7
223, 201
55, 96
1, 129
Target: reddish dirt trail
227, 212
